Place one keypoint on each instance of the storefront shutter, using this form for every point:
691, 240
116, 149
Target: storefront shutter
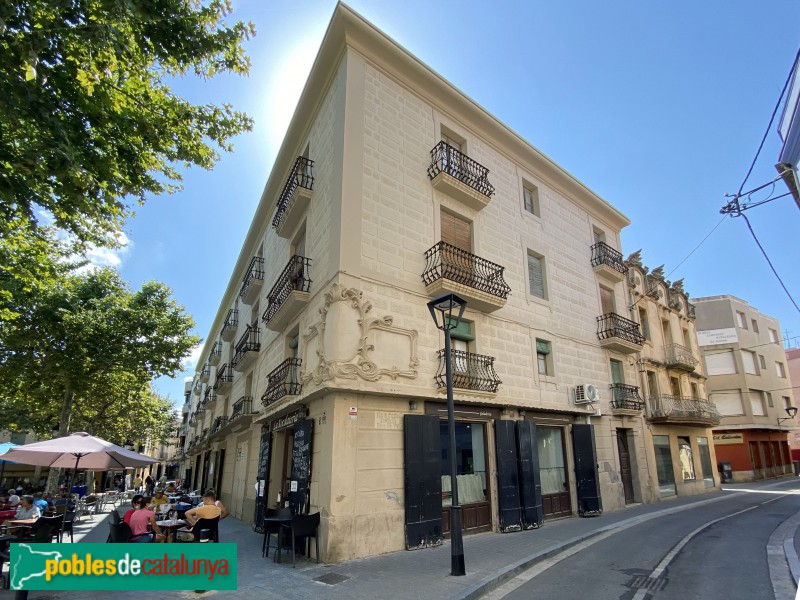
423, 481
530, 486
301, 463
262, 478
586, 480
507, 476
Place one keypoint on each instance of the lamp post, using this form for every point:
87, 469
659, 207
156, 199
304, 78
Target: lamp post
447, 311
791, 411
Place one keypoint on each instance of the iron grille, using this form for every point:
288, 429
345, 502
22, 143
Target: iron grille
603, 254
301, 175
675, 354
243, 406
684, 407
249, 342
613, 325
216, 349
255, 272
626, 396
470, 371
445, 261
282, 381
294, 277
231, 319
446, 159
224, 375
219, 423
210, 396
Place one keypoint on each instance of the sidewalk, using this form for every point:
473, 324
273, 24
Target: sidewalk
491, 559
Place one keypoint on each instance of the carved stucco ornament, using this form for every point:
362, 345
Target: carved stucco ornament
348, 344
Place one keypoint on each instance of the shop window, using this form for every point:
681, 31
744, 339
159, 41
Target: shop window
550, 445
686, 459
705, 461
666, 475
470, 463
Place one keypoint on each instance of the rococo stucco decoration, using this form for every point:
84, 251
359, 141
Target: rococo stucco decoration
347, 344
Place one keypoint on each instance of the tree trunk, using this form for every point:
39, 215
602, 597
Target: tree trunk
63, 430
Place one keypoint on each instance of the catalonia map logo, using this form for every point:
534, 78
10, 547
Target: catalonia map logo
192, 566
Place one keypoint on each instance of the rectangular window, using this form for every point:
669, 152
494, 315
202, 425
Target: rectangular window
536, 276
644, 322
705, 461
456, 231
757, 403
773, 336
530, 197
470, 463
666, 475
769, 400
728, 402
552, 470
607, 304
720, 363
754, 323
749, 360
762, 361
652, 384
544, 358
695, 390
780, 369
675, 386
686, 458
787, 402
617, 375
741, 319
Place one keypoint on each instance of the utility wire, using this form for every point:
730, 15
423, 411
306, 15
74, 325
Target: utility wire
794, 337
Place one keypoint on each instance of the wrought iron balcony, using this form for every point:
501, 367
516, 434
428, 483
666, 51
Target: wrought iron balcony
282, 381
219, 423
615, 332
201, 407
608, 262
210, 396
289, 294
479, 281
295, 197
231, 323
682, 410
243, 406
216, 354
253, 278
679, 357
470, 372
224, 379
246, 348
205, 372
626, 397
456, 174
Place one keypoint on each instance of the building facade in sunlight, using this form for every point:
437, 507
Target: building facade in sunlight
748, 379
321, 383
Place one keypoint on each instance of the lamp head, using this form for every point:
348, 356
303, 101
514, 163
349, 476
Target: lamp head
447, 311
791, 411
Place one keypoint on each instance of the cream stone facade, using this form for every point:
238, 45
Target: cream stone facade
679, 412
321, 382
749, 381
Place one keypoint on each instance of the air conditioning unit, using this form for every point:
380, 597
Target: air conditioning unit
586, 393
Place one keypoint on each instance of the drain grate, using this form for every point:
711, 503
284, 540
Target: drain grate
331, 578
648, 583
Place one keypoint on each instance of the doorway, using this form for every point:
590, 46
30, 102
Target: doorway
473, 493
625, 464
556, 501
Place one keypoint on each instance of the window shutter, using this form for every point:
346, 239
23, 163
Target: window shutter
749, 360
536, 275
542, 347
720, 363
456, 231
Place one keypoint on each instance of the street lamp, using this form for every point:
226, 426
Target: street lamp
791, 411
447, 311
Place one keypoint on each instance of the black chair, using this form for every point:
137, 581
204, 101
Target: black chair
270, 528
302, 527
211, 526
53, 525
43, 534
115, 518
69, 519
120, 533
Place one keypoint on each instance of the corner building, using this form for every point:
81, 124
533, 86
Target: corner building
322, 383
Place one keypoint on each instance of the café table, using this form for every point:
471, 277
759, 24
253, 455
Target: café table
278, 521
170, 526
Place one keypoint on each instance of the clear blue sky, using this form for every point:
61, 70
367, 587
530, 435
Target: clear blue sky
657, 107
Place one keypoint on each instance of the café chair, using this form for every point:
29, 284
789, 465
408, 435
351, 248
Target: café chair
205, 530
120, 533
270, 528
302, 527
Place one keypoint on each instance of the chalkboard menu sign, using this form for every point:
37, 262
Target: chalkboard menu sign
262, 478
301, 463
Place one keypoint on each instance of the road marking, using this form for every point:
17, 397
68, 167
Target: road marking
784, 567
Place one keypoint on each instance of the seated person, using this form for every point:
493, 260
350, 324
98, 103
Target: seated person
159, 499
40, 502
224, 512
134, 503
27, 510
140, 519
207, 510
171, 489
13, 501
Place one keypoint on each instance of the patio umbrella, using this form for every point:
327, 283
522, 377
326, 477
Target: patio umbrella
4, 447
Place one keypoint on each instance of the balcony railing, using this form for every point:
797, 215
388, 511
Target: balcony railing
626, 397
282, 381
683, 409
224, 378
446, 159
210, 396
230, 325
603, 254
612, 325
470, 372
295, 277
219, 423
205, 372
679, 357
252, 280
215, 354
248, 343
301, 175
445, 261
243, 406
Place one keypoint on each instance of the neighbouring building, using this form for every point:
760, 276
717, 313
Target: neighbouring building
793, 364
678, 411
748, 380
789, 130
322, 382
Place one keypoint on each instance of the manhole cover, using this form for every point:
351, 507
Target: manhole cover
648, 583
331, 578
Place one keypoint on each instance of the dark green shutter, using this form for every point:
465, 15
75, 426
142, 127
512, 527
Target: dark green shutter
423, 481
586, 478
507, 476
530, 483
264, 454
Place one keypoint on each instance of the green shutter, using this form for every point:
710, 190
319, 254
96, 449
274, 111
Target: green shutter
536, 275
462, 332
542, 347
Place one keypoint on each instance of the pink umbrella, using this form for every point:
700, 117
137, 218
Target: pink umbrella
78, 451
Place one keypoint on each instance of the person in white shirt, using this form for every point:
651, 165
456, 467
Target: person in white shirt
27, 509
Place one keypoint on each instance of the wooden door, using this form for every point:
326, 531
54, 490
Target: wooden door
625, 464
556, 501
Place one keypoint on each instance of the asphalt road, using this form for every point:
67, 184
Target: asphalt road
716, 551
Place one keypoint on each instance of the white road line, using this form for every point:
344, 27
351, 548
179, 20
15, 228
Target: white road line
784, 568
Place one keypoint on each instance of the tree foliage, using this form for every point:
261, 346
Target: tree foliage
88, 122
86, 349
